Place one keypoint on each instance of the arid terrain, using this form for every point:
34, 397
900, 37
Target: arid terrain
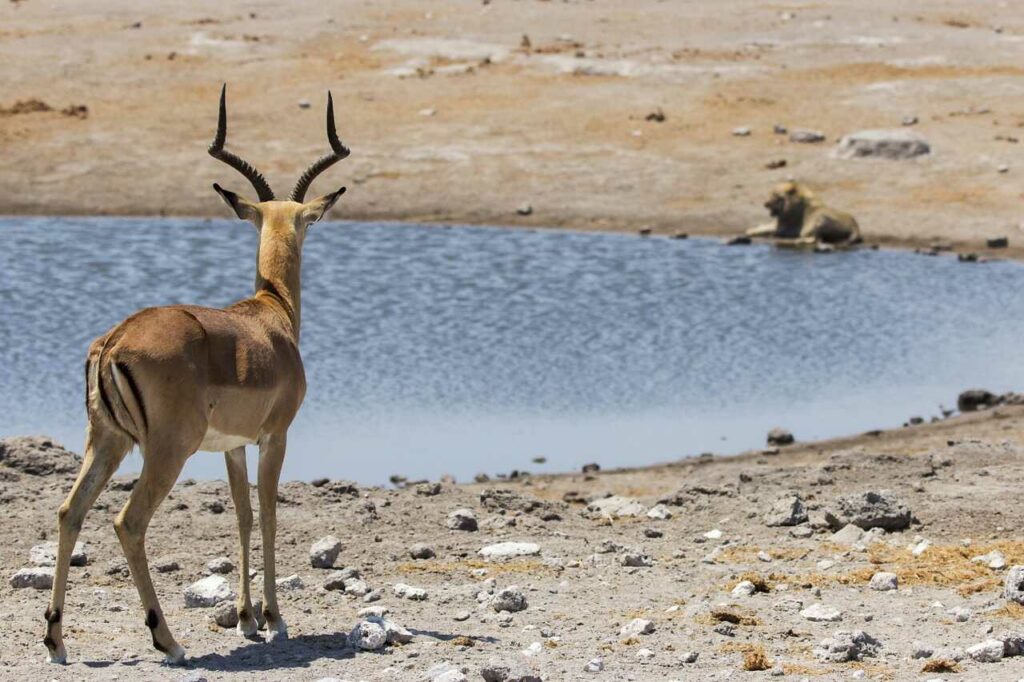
595, 114
670, 548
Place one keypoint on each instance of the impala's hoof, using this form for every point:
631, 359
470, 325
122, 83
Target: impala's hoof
175, 656
279, 633
60, 658
247, 628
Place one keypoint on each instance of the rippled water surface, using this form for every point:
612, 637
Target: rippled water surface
461, 350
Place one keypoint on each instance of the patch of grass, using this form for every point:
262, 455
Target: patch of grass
463, 640
801, 669
749, 554
1011, 610
941, 665
728, 616
756, 659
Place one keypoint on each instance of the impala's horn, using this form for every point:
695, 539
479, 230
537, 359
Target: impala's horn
218, 152
338, 152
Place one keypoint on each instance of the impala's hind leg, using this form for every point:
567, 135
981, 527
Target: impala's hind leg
103, 452
271, 458
238, 478
156, 480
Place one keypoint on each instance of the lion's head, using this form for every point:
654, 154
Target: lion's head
788, 200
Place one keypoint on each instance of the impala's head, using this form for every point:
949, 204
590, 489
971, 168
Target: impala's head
272, 217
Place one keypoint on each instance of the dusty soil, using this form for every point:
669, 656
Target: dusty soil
452, 118
960, 478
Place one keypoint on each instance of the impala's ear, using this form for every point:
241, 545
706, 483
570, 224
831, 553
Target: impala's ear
318, 208
243, 208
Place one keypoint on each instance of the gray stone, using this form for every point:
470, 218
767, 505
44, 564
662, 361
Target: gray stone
394, 632
210, 591
510, 599
616, 507
896, 144
409, 592
1013, 585
847, 646
780, 436
336, 579
805, 136
462, 519
368, 636
324, 552
870, 510
637, 626
689, 657
819, 613
221, 565
849, 535
421, 550
787, 511
636, 560
166, 564
884, 582
46, 554
38, 578
226, 615
989, 651
921, 650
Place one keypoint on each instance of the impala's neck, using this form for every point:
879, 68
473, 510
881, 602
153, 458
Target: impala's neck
278, 265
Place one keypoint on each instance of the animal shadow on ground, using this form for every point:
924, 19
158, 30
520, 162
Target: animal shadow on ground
295, 652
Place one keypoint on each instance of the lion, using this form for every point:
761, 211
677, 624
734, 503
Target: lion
801, 218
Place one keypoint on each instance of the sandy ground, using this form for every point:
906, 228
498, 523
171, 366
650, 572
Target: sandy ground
959, 478
451, 118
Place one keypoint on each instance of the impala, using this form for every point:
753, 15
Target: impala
179, 379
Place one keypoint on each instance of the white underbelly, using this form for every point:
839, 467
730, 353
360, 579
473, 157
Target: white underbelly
215, 441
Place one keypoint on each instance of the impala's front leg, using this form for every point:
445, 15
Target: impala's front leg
238, 478
272, 449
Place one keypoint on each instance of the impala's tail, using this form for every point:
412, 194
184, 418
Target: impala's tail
112, 395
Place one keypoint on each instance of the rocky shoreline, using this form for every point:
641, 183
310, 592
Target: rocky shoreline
894, 555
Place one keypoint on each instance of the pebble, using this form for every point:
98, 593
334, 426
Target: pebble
637, 626
994, 560
742, 131
960, 614
616, 507
207, 592
226, 614
409, 592
989, 651
221, 565
292, 582
659, 512
166, 565
921, 650
713, 534
368, 636
462, 519
896, 144
780, 436
788, 510
1013, 585
524, 209
744, 589
324, 552
461, 615
689, 657
636, 560
645, 654
847, 646
594, 665
805, 136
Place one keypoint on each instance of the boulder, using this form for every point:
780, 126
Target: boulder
870, 510
422, 550
462, 519
895, 144
1013, 585
368, 636
510, 599
507, 550
989, 651
884, 582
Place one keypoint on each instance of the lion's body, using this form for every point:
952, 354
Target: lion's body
800, 215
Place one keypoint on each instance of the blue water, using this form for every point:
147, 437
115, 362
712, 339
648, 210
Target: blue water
460, 350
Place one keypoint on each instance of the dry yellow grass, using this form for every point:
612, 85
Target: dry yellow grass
1011, 610
940, 665
728, 616
463, 640
754, 655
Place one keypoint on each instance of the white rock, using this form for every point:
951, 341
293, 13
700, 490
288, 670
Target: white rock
46, 554
594, 665
534, 649
882, 144
39, 578
994, 560
357, 587
409, 592
960, 614
368, 636
848, 535
659, 511
207, 592
764, 556
744, 589
324, 552
1013, 585
714, 534
637, 626
989, 651
921, 547
884, 582
292, 582
451, 676
645, 654
616, 506
821, 613
395, 632
507, 550
825, 564
221, 565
